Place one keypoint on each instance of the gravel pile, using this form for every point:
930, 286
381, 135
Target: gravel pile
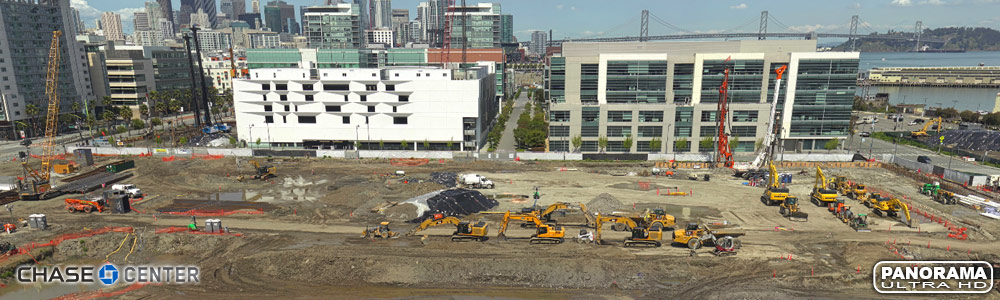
447, 179
604, 203
457, 202
973, 139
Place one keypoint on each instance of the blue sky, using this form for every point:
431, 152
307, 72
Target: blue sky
589, 18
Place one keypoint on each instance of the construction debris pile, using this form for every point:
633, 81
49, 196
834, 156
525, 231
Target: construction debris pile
453, 202
975, 140
604, 203
447, 179
210, 140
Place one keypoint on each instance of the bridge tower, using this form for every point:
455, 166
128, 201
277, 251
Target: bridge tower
854, 31
644, 26
762, 32
918, 30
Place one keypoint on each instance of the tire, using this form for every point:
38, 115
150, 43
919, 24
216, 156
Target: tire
781, 210
71, 210
694, 244
88, 209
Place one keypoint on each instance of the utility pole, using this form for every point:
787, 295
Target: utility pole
762, 32
201, 73
194, 101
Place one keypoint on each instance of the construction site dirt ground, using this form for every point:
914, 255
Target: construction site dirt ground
309, 245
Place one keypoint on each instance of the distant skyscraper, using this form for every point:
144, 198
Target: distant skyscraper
208, 6
76, 20
431, 14
112, 25
538, 42
506, 28
155, 13
255, 5
167, 11
226, 7
280, 17
253, 19
201, 19
382, 13
140, 20
239, 8
333, 26
187, 8
483, 29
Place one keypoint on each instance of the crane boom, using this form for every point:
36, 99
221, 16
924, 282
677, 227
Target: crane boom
51, 90
725, 153
765, 152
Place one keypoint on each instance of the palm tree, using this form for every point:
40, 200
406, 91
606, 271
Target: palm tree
109, 117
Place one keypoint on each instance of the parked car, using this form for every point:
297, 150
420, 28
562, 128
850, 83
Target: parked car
865, 134
917, 121
924, 159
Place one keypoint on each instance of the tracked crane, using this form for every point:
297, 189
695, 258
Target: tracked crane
766, 151
725, 153
40, 185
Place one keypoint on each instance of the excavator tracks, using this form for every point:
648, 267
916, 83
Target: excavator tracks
538, 240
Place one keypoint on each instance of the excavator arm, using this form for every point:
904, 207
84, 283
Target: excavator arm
904, 211
507, 217
434, 222
820, 179
774, 174
600, 220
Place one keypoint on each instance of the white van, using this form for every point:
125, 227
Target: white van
869, 120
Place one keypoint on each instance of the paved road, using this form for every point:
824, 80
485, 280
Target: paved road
876, 146
507, 141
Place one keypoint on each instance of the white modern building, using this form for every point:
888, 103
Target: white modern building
379, 37
375, 108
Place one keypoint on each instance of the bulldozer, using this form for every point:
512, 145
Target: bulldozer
87, 206
649, 236
261, 172
694, 236
381, 231
821, 196
775, 194
790, 209
544, 233
464, 230
893, 208
857, 191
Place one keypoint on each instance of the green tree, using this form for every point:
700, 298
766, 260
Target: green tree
627, 143
602, 143
125, 112
734, 142
111, 140
831, 144
448, 144
121, 129
577, 141
969, 116
155, 122
405, 145
706, 144
32, 111
427, 145
232, 141
681, 144
654, 145
138, 124
183, 140
947, 113
381, 144
258, 142
992, 119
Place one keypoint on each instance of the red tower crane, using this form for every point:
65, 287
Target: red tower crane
725, 154
446, 44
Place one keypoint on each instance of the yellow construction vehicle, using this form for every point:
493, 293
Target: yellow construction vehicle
892, 208
464, 230
381, 231
38, 186
774, 194
821, 196
857, 191
645, 219
544, 233
790, 209
928, 125
649, 236
262, 172
840, 184
695, 236
546, 214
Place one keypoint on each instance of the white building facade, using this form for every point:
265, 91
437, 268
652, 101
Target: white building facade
389, 109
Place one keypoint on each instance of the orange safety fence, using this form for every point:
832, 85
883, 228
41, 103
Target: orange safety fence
409, 162
100, 293
169, 158
26, 249
214, 212
207, 156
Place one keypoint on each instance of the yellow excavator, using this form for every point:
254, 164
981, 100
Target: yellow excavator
929, 125
892, 208
775, 194
464, 230
649, 236
546, 214
544, 233
790, 209
821, 196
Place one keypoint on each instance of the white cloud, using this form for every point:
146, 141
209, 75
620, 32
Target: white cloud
902, 2
740, 6
933, 2
560, 6
857, 5
572, 8
88, 13
818, 28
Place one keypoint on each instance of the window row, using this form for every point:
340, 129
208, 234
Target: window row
344, 120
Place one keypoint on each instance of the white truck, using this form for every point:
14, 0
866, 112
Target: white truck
475, 181
130, 189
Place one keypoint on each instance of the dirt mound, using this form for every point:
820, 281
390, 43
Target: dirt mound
447, 179
401, 212
604, 203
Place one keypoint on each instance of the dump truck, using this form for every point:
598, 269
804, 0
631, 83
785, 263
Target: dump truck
128, 188
475, 181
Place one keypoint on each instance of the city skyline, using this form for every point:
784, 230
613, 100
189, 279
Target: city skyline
586, 18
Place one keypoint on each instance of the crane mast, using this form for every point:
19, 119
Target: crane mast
51, 90
769, 139
725, 153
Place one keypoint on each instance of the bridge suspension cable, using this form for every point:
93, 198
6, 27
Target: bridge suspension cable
668, 25
782, 25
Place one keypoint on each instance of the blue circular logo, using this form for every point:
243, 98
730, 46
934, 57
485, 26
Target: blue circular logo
108, 274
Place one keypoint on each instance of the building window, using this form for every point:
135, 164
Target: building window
559, 131
265, 97
347, 119
682, 131
266, 86
650, 131
559, 116
390, 87
708, 131
396, 75
268, 119
650, 116
393, 109
591, 116
404, 98
745, 116
398, 120
619, 116
371, 108
590, 131
267, 108
336, 87
281, 86
283, 97
307, 119
288, 107
745, 131
708, 116
371, 87
619, 131
363, 98
683, 116
307, 87
309, 97
588, 146
332, 108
